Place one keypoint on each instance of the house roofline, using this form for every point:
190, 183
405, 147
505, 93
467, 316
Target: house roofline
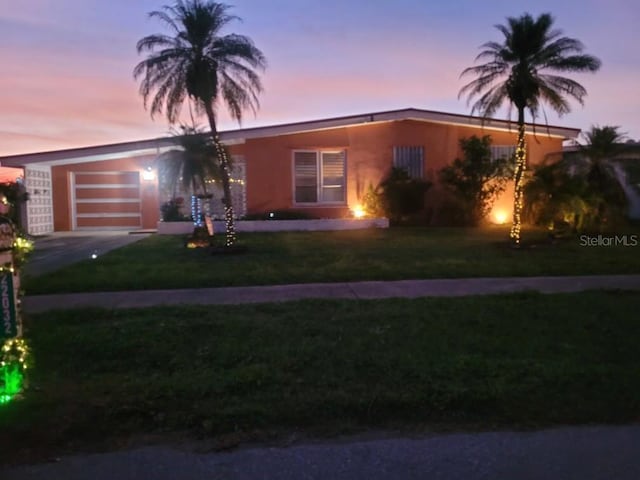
142, 147
397, 115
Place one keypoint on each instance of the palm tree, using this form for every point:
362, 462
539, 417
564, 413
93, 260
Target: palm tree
193, 164
603, 143
520, 71
602, 146
557, 198
197, 63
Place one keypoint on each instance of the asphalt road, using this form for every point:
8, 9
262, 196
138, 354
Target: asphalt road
585, 453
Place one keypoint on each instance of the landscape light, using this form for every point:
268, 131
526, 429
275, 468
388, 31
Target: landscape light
500, 217
358, 211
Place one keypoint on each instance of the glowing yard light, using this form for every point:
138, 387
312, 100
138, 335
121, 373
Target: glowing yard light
358, 211
500, 217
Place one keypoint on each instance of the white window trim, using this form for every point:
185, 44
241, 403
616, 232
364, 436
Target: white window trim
320, 186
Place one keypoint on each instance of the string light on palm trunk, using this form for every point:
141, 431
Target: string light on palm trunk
518, 194
230, 239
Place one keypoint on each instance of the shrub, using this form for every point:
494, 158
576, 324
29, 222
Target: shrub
372, 202
16, 196
475, 180
402, 196
171, 210
452, 213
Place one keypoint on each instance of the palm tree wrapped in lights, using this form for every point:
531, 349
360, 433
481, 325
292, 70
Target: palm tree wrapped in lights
197, 62
191, 166
520, 71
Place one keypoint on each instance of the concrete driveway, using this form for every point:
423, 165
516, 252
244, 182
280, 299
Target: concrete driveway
64, 248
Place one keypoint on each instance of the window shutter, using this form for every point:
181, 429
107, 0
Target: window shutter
306, 177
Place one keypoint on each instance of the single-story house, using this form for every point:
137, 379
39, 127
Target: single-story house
321, 167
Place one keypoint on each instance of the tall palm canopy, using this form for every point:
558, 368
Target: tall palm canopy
521, 71
197, 63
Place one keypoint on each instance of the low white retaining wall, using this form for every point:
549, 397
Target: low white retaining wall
179, 228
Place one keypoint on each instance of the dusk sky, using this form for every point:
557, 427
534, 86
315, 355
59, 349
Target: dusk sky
66, 65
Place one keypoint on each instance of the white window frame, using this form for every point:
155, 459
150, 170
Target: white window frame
320, 177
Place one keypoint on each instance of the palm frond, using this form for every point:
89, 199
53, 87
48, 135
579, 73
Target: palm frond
560, 86
193, 163
554, 98
166, 18
152, 42
602, 142
573, 63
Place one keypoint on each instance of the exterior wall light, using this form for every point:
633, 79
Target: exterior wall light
148, 175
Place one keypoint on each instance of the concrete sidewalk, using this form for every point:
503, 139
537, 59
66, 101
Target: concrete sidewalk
353, 291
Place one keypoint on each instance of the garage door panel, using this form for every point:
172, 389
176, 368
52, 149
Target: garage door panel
107, 193
108, 222
108, 208
107, 178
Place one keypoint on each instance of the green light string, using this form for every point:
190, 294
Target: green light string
14, 358
14, 352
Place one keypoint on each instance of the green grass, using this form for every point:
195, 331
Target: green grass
296, 257
522, 360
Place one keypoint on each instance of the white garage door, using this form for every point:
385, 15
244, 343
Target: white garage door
106, 200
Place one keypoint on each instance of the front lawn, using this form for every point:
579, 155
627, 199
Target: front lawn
523, 360
160, 262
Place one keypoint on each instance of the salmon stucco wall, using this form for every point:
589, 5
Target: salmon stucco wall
539, 148
63, 198
369, 156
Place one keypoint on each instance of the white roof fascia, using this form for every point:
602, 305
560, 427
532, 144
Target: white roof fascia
98, 157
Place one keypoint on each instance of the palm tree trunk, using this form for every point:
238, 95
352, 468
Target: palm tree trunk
230, 239
518, 179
